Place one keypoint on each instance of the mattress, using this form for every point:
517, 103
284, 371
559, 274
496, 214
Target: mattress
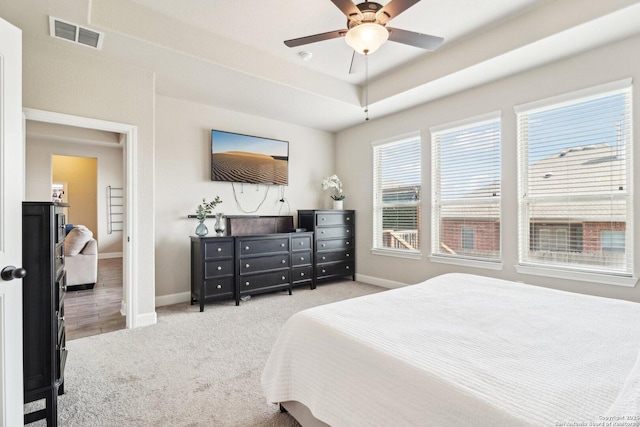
461, 350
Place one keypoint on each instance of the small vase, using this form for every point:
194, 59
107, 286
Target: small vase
201, 229
219, 226
337, 204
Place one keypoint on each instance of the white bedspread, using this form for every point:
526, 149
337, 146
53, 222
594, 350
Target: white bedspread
462, 350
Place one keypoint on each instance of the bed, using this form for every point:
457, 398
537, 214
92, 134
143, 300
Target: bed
460, 350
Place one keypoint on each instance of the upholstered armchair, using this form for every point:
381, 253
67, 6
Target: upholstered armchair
81, 258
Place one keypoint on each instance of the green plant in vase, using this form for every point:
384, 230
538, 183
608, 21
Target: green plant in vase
204, 209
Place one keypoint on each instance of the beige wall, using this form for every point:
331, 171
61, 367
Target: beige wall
39, 150
353, 146
68, 79
81, 177
182, 160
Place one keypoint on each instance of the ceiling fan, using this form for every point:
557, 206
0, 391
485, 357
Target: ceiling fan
367, 31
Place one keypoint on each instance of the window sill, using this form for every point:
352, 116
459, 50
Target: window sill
466, 262
397, 253
559, 273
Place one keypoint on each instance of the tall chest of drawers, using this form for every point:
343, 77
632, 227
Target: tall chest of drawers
44, 287
334, 242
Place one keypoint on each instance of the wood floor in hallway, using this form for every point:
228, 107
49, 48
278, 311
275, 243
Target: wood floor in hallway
96, 311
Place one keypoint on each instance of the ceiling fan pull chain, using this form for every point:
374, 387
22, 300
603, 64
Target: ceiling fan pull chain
366, 85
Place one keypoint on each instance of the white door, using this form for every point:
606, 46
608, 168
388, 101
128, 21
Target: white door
11, 195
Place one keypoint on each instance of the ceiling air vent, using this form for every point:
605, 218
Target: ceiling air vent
75, 33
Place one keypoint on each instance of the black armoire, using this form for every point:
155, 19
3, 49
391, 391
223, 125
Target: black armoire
44, 286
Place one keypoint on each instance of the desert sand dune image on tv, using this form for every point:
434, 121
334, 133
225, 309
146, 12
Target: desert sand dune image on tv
248, 159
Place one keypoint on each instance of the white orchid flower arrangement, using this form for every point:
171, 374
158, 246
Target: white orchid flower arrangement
333, 182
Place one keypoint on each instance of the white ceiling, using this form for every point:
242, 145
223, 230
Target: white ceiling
231, 53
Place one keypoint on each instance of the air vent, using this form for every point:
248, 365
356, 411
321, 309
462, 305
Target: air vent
75, 33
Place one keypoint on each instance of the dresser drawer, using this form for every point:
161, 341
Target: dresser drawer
215, 268
263, 263
60, 227
264, 281
301, 258
334, 232
333, 218
263, 245
301, 274
218, 249
300, 243
59, 258
334, 244
334, 256
61, 290
218, 287
335, 269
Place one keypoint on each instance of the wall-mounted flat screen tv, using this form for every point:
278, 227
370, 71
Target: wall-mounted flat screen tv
248, 159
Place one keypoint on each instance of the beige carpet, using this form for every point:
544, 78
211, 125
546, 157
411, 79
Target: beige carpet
191, 368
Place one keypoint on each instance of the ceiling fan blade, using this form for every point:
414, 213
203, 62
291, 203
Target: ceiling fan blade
357, 63
423, 41
396, 7
347, 7
315, 38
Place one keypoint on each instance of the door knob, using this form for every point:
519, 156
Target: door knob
10, 272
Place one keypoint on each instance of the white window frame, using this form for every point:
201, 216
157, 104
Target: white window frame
377, 249
561, 272
435, 234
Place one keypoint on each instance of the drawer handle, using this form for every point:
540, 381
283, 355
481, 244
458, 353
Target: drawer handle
246, 265
301, 258
219, 287
348, 243
322, 232
348, 255
246, 248
347, 267
324, 257
60, 256
324, 244
348, 218
284, 261
348, 231
301, 274
301, 243
282, 245
323, 218
324, 271
246, 283
219, 249
219, 267
284, 278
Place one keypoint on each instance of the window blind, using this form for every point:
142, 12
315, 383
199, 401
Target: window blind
466, 189
397, 194
575, 182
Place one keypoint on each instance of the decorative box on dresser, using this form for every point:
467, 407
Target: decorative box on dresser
334, 242
44, 287
212, 269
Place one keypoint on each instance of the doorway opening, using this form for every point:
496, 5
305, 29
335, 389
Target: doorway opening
127, 140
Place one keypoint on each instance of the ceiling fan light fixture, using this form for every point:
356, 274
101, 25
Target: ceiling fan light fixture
367, 37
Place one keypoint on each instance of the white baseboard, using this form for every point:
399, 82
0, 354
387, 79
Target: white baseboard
384, 283
110, 255
146, 320
173, 299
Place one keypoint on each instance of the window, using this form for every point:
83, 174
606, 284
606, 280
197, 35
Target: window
466, 189
397, 194
575, 181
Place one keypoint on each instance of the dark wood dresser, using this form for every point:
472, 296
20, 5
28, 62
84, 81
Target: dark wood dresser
263, 255
212, 269
334, 249
44, 287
